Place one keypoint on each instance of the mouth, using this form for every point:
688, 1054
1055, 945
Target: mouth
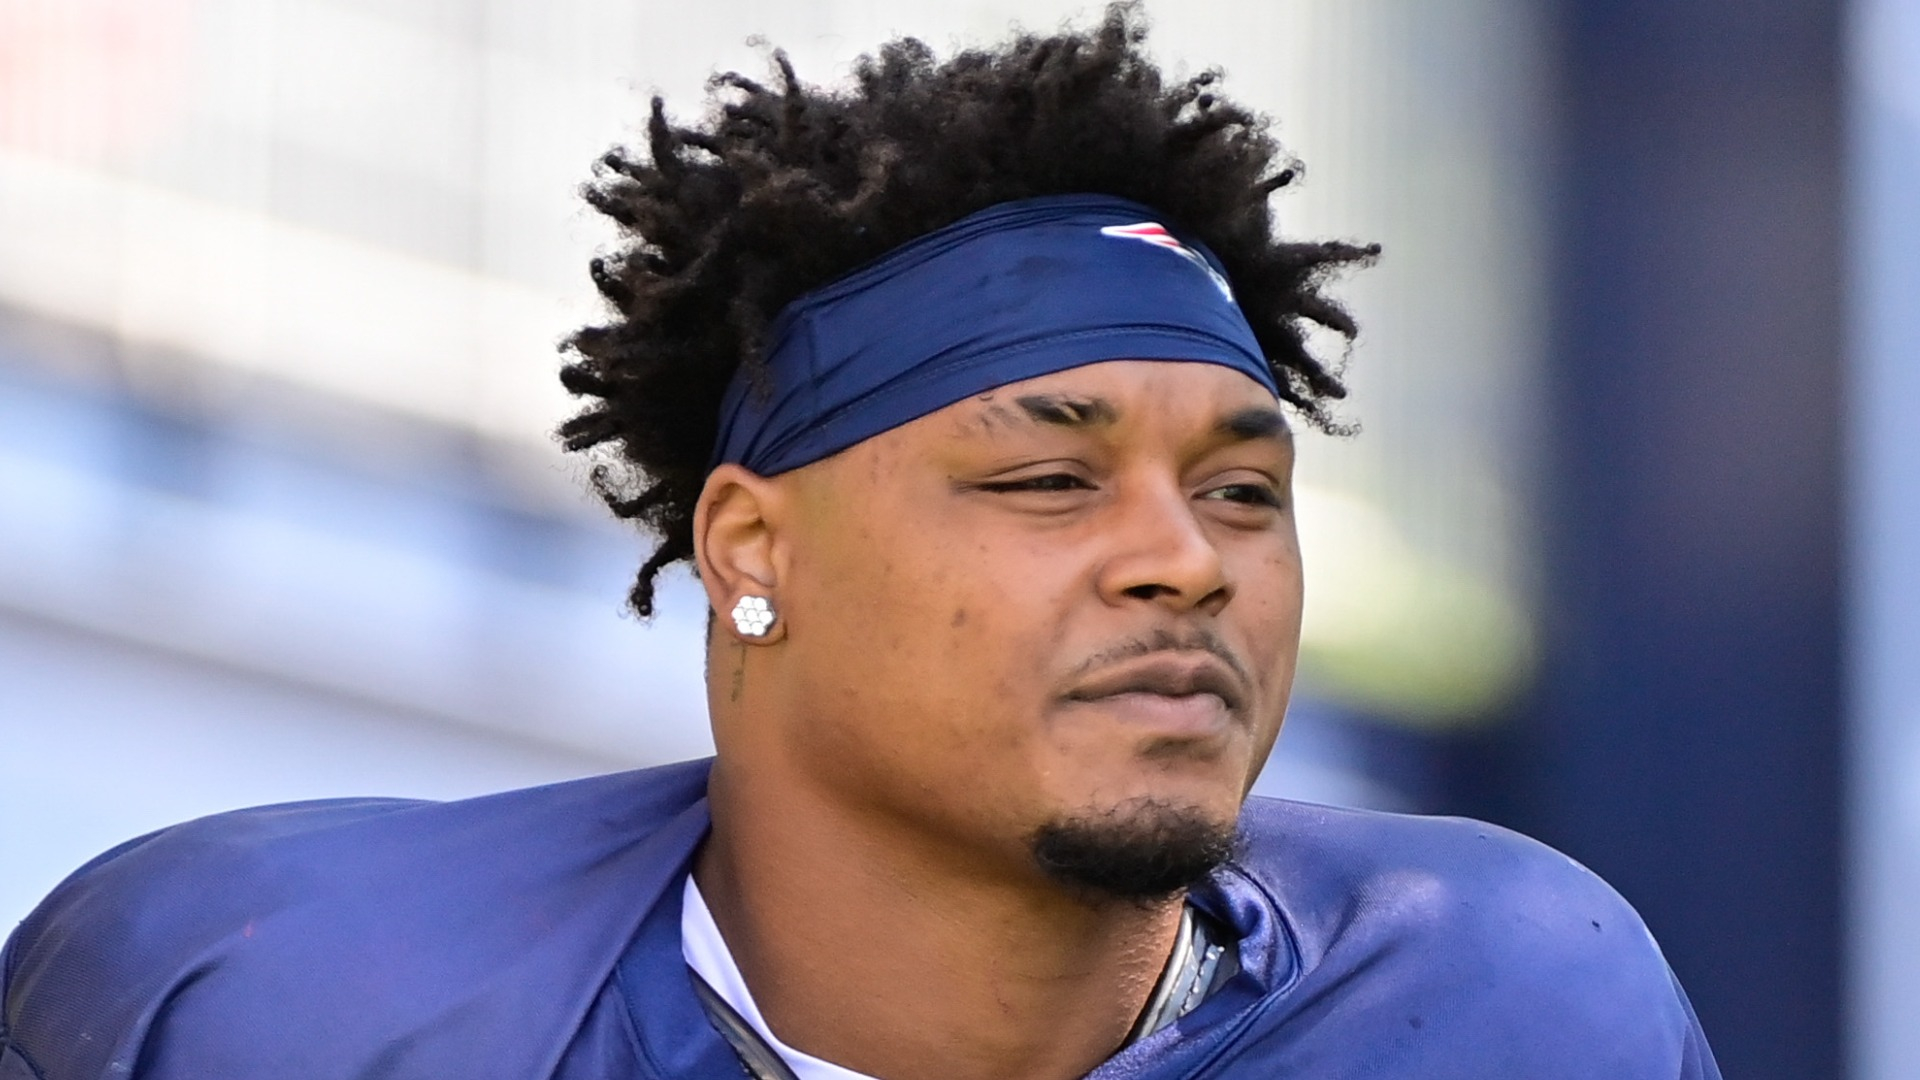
1190, 691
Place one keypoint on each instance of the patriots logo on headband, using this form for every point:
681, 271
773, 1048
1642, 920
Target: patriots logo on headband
1152, 232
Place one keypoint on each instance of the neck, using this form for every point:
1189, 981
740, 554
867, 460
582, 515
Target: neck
875, 952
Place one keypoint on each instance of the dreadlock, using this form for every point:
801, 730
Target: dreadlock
786, 187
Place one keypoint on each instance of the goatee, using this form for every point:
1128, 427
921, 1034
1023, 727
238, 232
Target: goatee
1143, 851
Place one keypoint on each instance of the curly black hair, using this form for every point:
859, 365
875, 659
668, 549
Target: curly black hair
784, 188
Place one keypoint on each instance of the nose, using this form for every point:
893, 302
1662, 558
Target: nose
1162, 554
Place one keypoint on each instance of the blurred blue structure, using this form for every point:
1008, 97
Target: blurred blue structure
1685, 740
1727, 723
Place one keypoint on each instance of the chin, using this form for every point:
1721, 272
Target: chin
1212, 781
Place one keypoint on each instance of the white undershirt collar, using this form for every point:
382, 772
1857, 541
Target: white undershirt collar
707, 954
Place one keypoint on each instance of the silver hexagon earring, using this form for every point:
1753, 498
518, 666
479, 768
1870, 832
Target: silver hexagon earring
753, 615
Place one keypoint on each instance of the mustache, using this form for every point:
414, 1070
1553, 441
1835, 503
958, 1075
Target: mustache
1163, 640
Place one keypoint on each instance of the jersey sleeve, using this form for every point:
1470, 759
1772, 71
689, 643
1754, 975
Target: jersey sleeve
89, 979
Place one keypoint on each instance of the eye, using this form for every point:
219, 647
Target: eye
1248, 494
1055, 481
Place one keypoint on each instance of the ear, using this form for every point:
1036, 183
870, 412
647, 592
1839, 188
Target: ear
736, 545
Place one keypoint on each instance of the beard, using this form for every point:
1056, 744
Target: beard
1143, 851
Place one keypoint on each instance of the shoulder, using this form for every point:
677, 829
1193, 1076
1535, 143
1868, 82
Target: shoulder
1340, 863
246, 864
101, 953
1466, 934
306, 898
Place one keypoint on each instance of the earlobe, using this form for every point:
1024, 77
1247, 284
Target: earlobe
736, 536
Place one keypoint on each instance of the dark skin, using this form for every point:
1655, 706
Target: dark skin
1067, 598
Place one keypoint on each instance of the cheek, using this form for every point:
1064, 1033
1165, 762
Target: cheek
1270, 604
919, 652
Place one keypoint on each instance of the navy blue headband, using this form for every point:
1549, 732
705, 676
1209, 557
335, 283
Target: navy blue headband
1015, 291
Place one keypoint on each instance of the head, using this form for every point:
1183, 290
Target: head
1047, 628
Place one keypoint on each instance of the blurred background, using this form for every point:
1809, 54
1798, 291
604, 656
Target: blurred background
1626, 555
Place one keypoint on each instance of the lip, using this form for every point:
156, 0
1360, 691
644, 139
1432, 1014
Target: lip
1181, 689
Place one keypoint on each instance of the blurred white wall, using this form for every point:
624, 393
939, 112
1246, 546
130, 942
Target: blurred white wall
1884, 867
280, 283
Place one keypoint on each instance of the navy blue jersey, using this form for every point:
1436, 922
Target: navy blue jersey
535, 935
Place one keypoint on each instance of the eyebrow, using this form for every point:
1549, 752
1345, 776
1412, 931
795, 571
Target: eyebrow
1069, 411
1063, 410
1254, 422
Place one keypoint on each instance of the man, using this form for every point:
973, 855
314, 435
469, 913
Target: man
963, 391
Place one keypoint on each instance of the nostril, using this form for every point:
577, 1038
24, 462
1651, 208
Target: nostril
1149, 592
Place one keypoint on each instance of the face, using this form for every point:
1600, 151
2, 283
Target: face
1064, 600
